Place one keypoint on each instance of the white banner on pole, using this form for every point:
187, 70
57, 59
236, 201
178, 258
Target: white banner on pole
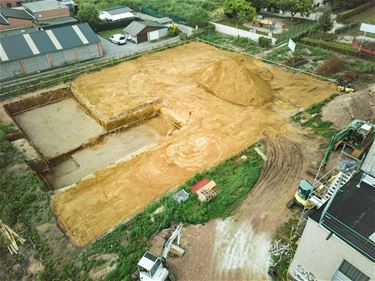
292, 45
367, 27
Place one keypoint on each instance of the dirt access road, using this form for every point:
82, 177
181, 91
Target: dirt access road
237, 248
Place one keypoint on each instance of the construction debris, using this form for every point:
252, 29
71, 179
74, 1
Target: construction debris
10, 238
181, 196
280, 251
205, 189
261, 154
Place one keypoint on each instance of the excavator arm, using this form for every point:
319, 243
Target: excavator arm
342, 135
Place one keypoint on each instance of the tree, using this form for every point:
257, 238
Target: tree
304, 7
325, 20
239, 9
258, 4
88, 12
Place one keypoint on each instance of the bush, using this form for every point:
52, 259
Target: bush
347, 28
295, 61
325, 20
323, 36
265, 42
330, 66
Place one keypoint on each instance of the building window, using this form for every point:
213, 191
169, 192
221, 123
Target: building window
9, 5
348, 272
18, 4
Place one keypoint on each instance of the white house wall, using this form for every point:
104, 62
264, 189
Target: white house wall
320, 257
157, 34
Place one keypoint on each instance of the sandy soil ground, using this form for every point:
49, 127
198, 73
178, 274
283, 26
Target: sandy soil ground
114, 147
54, 129
213, 130
344, 108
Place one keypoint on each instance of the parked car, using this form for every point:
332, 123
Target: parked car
118, 39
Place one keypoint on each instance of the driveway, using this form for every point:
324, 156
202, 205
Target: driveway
112, 50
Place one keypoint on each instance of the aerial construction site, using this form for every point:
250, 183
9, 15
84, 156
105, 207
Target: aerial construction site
116, 140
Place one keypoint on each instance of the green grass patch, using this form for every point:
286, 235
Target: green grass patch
239, 43
313, 113
108, 33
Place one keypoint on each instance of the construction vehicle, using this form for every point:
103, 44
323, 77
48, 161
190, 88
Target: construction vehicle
152, 268
358, 135
344, 86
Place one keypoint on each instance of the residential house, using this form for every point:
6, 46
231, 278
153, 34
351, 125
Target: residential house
47, 9
15, 18
338, 242
142, 31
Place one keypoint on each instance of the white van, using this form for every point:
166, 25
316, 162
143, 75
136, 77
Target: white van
118, 39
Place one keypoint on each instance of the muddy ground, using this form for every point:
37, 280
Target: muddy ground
54, 129
217, 121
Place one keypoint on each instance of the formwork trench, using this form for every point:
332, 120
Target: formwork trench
74, 143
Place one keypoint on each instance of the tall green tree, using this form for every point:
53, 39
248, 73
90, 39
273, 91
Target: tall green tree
239, 9
325, 20
304, 7
258, 4
88, 12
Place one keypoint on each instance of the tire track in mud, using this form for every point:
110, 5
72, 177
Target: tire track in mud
241, 242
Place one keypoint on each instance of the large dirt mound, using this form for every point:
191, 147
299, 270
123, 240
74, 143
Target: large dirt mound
233, 82
343, 109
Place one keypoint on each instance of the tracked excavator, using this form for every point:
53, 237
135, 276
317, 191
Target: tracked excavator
358, 135
152, 268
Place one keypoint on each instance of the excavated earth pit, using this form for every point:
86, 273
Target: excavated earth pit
221, 102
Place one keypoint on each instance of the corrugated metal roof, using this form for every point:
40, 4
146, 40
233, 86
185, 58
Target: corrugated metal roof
136, 27
16, 13
118, 10
43, 5
17, 47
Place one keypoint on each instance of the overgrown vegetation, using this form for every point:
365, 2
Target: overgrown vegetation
285, 234
24, 206
330, 66
311, 118
314, 57
238, 43
23, 202
195, 12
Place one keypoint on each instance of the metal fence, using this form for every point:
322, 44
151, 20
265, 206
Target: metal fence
159, 14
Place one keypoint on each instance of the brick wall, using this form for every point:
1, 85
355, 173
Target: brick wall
56, 13
10, 3
16, 23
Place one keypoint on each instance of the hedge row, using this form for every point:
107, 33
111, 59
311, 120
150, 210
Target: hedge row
337, 47
349, 13
347, 28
